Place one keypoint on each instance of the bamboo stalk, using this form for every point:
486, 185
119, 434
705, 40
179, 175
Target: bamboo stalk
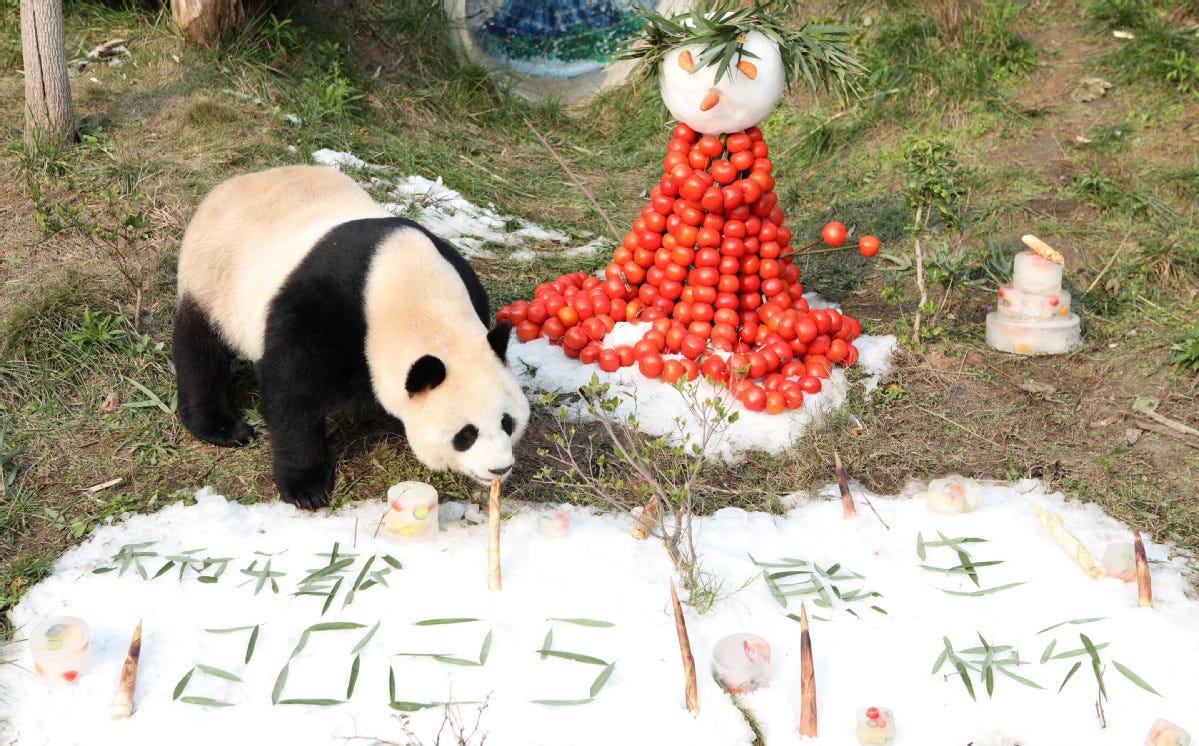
1144, 583
807, 678
1066, 540
843, 484
494, 581
690, 689
122, 703
648, 519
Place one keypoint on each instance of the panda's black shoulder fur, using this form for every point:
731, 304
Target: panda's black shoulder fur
316, 324
343, 256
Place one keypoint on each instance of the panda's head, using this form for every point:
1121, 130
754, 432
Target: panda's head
463, 409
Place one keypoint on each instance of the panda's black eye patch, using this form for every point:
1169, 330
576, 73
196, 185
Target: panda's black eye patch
465, 438
507, 423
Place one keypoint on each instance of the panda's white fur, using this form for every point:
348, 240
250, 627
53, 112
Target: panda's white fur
248, 253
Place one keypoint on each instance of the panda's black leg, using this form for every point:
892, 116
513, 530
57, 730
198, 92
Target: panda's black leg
205, 386
295, 419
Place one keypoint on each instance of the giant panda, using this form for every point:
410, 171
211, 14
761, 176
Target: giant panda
337, 302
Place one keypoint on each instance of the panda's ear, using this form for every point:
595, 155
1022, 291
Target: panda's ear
498, 339
426, 373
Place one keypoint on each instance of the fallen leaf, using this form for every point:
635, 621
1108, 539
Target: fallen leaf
1089, 89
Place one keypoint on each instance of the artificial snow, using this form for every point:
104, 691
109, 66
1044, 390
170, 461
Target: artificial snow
445, 212
863, 657
662, 409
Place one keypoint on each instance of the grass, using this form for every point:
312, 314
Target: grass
86, 383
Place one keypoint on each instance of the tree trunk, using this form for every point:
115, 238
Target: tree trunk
203, 21
49, 113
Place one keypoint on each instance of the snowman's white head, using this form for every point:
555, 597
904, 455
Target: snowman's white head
743, 97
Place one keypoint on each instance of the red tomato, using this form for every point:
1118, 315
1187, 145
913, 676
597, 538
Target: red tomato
705, 275
590, 353
575, 338
738, 142
754, 398
692, 345
715, 368
742, 160
723, 172
837, 350
868, 246
626, 354
553, 329
595, 328
609, 361
527, 331
775, 402
697, 160
650, 364
793, 395
810, 384
833, 233
672, 370
684, 132
710, 146
818, 365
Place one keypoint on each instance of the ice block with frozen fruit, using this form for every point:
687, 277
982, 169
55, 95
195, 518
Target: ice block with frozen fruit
1165, 733
1033, 337
1034, 273
875, 725
1026, 305
953, 494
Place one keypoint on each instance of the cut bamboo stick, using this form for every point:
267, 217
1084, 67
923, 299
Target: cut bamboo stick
843, 484
1144, 583
690, 688
807, 678
648, 519
122, 703
1053, 524
494, 580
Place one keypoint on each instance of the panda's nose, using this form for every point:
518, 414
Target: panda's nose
501, 471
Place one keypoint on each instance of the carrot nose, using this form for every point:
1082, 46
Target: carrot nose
749, 69
710, 100
686, 61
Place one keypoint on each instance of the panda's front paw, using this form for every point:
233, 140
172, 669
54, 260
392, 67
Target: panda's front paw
305, 488
228, 432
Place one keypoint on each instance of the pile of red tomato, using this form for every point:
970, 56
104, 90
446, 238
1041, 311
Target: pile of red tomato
709, 267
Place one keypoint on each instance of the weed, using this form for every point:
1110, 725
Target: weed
931, 194
1184, 354
1157, 48
626, 466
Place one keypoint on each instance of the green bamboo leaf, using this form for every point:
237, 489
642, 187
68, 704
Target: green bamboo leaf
413, 706
598, 685
1133, 677
1079, 651
582, 622
219, 673
549, 641
920, 546
353, 676
451, 620
391, 684
228, 630
280, 680
365, 639
983, 591
393, 562
329, 598
312, 702
1048, 650
162, 570
455, 661
989, 680
1072, 621
486, 650
206, 701
1021, 679
250, 645
358, 582
880, 610
1073, 670
961, 667
183, 683
562, 702
579, 657
206, 579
